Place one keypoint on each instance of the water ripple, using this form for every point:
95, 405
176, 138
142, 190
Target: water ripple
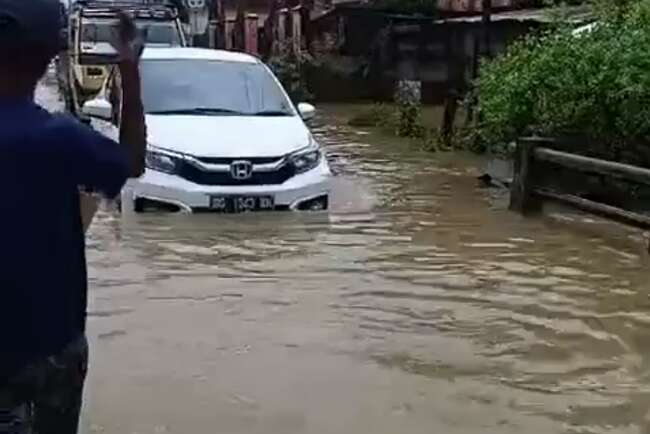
418, 272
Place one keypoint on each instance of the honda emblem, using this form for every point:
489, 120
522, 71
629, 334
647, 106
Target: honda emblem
241, 170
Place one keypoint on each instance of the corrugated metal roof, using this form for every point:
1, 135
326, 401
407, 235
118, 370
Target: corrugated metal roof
577, 14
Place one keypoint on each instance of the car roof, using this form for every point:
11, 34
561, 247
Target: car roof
190, 53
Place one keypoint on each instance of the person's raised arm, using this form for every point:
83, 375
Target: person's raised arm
102, 164
133, 134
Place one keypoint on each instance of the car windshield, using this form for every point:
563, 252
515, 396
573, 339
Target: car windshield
156, 33
210, 87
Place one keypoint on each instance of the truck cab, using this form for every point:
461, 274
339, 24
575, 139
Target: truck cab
90, 32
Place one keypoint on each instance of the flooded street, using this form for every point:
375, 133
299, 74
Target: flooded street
418, 305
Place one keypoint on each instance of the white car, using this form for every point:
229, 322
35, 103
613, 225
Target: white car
223, 135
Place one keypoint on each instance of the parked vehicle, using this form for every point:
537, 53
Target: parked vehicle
223, 135
90, 31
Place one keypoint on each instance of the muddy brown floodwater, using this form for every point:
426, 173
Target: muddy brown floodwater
419, 305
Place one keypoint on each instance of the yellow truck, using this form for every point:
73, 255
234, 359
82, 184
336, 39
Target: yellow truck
83, 69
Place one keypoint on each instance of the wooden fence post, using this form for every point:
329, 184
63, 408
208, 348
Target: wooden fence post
251, 30
220, 35
282, 25
486, 12
212, 34
219, 20
229, 27
296, 29
522, 197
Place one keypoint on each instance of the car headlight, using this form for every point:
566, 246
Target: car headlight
161, 161
306, 159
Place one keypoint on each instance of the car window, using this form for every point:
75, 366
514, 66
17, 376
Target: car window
230, 87
156, 33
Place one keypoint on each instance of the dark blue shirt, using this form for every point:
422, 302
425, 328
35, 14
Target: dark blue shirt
44, 159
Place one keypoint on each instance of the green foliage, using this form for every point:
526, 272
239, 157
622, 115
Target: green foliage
290, 69
432, 141
378, 115
409, 121
461, 139
595, 85
600, 5
612, 9
402, 120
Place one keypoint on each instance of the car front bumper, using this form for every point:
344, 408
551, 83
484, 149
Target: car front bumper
188, 196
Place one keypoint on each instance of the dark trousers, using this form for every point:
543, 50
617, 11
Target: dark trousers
45, 398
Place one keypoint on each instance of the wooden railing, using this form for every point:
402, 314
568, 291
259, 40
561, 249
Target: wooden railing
526, 195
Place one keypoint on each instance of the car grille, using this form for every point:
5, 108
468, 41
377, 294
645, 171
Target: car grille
95, 72
253, 160
199, 176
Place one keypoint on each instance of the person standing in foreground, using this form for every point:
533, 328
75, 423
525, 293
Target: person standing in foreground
44, 160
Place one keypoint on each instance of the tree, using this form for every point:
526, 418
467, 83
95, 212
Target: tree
594, 86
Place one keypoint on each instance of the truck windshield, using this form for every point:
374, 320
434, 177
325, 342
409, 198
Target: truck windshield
97, 32
209, 87
156, 33
160, 33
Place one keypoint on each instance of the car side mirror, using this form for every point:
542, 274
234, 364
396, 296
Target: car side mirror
98, 108
307, 111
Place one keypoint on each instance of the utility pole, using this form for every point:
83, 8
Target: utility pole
486, 6
482, 48
240, 25
218, 24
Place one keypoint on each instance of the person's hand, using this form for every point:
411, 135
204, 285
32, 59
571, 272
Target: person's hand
89, 203
128, 42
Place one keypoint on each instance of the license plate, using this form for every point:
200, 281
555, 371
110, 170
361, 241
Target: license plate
241, 203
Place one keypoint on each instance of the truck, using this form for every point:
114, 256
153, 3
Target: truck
88, 31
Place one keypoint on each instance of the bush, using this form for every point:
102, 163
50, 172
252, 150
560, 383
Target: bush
290, 68
377, 115
409, 121
596, 85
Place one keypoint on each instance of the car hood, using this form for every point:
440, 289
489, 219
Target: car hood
228, 136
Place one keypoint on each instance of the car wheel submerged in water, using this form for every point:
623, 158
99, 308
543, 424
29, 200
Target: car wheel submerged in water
138, 204
228, 140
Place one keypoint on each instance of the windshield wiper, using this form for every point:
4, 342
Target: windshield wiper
197, 111
271, 113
